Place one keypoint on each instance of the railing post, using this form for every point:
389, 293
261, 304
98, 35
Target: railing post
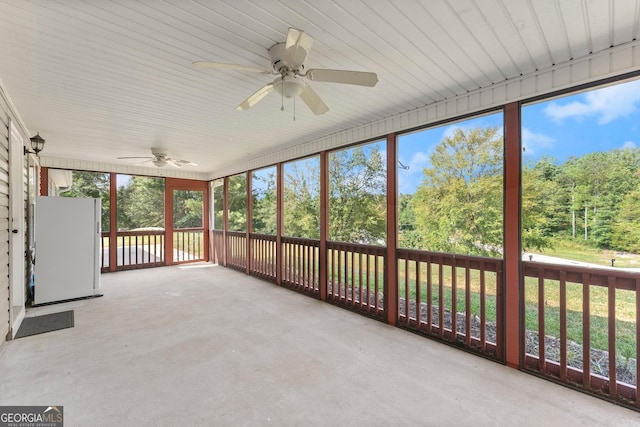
113, 222
513, 298
279, 220
168, 222
225, 219
391, 275
324, 223
206, 214
249, 221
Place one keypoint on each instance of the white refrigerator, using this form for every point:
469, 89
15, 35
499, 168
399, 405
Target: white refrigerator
67, 248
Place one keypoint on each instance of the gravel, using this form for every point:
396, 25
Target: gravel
625, 367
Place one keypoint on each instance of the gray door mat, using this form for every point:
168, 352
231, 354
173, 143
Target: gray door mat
45, 323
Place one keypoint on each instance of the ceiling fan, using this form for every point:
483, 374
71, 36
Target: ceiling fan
287, 62
160, 158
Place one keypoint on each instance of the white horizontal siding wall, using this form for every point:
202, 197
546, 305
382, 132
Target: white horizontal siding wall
4, 219
8, 115
613, 62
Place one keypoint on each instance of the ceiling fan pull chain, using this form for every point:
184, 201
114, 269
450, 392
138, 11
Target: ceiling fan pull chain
294, 109
282, 98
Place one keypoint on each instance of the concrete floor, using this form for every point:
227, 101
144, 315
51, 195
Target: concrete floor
204, 345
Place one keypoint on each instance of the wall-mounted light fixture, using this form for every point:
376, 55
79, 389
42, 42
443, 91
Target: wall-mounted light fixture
37, 144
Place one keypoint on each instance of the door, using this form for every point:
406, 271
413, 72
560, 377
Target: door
17, 235
187, 221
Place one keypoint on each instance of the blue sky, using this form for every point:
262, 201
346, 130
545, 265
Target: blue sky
598, 120
414, 149
572, 125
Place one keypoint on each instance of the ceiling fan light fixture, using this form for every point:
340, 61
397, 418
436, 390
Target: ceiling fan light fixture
160, 162
289, 86
287, 60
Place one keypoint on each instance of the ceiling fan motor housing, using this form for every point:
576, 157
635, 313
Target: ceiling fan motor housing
278, 63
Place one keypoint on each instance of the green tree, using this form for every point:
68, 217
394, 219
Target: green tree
141, 203
218, 205
598, 183
302, 199
546, 192
539, 192
357, 195
408, 235
264, 199
237, 194
95, 185
626, 227
187, 209
458, 206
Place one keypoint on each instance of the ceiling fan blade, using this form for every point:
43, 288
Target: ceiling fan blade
223, 66
256, 97
360, 78
297, 47
144, 162
313, 101
184, 162
174, 163
134, 157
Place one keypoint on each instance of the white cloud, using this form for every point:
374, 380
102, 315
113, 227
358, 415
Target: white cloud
532, 142
418, 161
606, 104
449, 131
629, 145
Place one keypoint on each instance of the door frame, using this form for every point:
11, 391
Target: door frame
170, 185
17, 271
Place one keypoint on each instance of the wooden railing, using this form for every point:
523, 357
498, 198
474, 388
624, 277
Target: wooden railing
188, 245
356, 277
459, 299
456, 298
263, 256
139, 249
588, 318
237, 250
301, 265
217, 245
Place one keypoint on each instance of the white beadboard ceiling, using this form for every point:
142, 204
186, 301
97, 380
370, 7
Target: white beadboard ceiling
100, 79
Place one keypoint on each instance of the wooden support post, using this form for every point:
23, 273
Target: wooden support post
225, 219
168, 223
44, 181
206, 214
391, 275
249, 221
113, 221
324, 222
513, 296
279, 220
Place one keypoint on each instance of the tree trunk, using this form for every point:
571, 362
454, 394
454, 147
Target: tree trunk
573, 211
586, 212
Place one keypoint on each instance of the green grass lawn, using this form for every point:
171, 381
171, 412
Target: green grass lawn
578, 250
